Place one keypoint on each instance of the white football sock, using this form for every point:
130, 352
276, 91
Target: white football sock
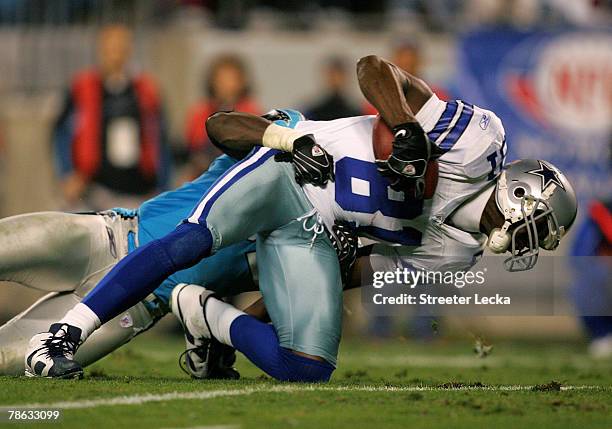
84, 318
220, 316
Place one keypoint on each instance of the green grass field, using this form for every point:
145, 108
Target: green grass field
376, 385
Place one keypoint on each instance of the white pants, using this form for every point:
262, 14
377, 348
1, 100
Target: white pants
66, 255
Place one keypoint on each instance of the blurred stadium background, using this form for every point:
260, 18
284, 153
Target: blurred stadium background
544, 66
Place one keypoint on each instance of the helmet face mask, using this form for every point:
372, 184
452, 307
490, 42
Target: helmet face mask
539, 228
538, 205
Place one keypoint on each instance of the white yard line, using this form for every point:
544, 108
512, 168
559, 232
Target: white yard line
290, 388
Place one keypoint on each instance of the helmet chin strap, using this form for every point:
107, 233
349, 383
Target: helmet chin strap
499, 238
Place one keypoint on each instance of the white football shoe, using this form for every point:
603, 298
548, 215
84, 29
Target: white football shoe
205, 357
50, 354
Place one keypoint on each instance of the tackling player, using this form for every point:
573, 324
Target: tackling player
529, 205
67, 254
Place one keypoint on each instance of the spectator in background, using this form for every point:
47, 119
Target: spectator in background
228, 87
407, 56
109, 140
334, 103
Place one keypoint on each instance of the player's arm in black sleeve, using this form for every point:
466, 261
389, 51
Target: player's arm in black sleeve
237, 132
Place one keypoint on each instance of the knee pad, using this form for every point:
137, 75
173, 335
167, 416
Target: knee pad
187, 244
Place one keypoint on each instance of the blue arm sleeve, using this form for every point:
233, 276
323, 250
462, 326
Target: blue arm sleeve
139, 273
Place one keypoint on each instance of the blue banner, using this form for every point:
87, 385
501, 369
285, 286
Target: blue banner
553, 92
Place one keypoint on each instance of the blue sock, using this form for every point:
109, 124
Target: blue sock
140, 272
258, 342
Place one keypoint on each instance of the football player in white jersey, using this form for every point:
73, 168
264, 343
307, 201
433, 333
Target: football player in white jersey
527, 206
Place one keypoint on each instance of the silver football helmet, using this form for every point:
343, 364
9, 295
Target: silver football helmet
539, 206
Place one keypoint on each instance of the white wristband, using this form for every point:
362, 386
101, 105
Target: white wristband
282, 138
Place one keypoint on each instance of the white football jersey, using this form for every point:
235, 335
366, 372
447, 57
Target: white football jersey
474, 141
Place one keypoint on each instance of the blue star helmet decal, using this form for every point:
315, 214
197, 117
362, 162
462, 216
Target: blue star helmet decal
547, 175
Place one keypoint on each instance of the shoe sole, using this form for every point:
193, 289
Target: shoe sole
68, 376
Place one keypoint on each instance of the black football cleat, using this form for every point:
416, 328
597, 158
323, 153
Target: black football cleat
50, 354
211, 360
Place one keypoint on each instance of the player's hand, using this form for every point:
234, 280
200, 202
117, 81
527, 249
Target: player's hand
311, 162
415, 186
384, 170
411, 151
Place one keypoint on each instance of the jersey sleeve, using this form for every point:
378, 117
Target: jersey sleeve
430, 113
472, 138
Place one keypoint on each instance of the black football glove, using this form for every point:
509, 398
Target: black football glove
407, 165
345, 242
311, 162
414, 187
411, 151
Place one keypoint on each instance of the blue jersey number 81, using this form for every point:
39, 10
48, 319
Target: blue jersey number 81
360, 188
